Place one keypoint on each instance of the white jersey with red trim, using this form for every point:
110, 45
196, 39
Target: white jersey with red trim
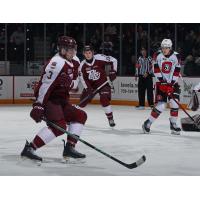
48, 87
167, 68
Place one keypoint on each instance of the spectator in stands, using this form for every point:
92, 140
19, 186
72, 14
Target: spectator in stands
111, 30
2, 45
17, 43
106, 46
17, 37
189, 67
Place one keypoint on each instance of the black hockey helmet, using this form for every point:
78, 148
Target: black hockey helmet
66, 42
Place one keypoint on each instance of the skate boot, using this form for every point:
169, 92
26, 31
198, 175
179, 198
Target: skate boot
111, 122
146, 127
175, 130
139, 107
70, 151
29, 152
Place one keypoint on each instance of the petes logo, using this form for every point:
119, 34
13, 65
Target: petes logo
93, 75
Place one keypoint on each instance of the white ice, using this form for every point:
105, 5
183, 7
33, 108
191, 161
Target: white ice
166, 154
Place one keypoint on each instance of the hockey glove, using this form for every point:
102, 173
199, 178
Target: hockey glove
37, 112
112, 75
64, 80
166, 88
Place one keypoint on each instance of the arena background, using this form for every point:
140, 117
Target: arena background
25, 48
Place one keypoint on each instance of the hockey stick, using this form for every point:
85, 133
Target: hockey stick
112, 86
129, 166
93, 93
185, 112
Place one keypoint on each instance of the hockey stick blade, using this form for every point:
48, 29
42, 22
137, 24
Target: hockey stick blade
137, 163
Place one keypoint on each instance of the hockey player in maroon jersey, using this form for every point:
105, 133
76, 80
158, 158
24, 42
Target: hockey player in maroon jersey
92, 74
166, 70
52, 102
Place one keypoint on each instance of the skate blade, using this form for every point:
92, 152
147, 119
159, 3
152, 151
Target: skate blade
175, 132
70, 160
26, 159
144, 131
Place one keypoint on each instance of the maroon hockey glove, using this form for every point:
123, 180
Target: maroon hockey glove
112, 75
37, 113
64, 80
87, 94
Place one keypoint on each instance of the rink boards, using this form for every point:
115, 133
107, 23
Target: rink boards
19, 89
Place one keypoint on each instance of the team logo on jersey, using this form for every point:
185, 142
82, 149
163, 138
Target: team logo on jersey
53, 65
166, 67
93, 75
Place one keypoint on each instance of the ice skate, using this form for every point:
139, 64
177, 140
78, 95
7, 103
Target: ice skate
29, 152
175, 130
111, 122
70, 152
146, 127
139, 107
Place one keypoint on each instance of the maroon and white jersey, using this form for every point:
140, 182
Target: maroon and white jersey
166, 68
94, 74
48, 87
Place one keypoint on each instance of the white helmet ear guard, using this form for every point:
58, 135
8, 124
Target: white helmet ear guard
166, 43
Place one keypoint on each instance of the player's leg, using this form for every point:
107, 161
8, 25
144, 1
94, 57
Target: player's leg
105, 98
159, 107
45, 135
76, 119
174, 112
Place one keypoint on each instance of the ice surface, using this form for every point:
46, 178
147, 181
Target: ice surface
166, 154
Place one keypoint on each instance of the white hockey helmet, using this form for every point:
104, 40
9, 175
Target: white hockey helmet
166, 43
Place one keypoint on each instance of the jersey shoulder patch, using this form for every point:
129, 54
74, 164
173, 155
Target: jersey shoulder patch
76, 59
102, 57
56, 61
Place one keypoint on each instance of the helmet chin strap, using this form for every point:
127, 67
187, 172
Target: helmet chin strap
90, 60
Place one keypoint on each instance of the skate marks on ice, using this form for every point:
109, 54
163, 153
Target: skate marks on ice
49, 166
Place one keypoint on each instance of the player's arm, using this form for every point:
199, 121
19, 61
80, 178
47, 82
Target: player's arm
176, 72
76, 75
156, 70
109, 60
82, 77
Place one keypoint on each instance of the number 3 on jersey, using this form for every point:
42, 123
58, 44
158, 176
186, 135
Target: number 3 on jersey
49, 74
